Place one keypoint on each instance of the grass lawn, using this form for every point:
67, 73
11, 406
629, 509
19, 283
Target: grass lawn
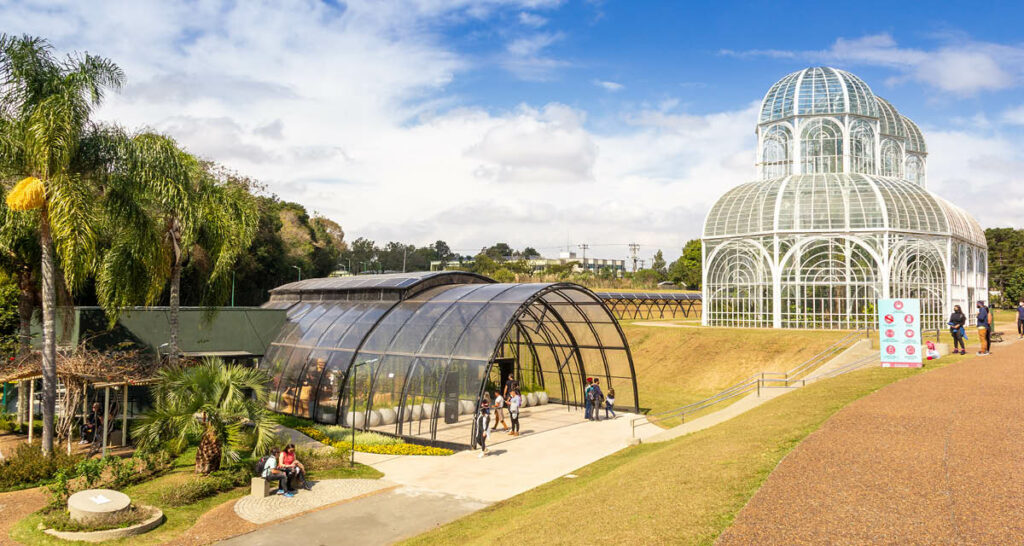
178, 518
686, 491
676, 366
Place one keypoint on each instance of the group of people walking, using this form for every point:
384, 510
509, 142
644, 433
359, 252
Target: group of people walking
958, 321
508, 398
594, 398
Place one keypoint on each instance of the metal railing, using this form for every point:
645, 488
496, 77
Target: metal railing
759, 381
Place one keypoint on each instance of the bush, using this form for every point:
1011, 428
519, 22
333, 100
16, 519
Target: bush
201, 487
340, 434
29, 468
395, 446
404, 449
111, 472
8, 422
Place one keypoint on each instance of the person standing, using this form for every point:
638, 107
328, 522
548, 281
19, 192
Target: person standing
499, 413
511, 386
514, 404
609, 403
588, 399
598, 398
984, 329
957, 320
1020, 319
483, 424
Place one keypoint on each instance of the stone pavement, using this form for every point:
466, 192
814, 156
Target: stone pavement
383, 518
935, 458
292, 436
324, 493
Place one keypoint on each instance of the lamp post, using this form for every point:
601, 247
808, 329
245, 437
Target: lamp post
299, 269
232, 289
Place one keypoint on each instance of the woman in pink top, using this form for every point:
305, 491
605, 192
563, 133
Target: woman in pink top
293, 467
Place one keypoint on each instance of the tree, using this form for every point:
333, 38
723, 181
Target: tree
210, 401
1005, 255
687, 269
45, 104
499, 252
530, 253
1014, 291
442, 252
168, 208
658, 263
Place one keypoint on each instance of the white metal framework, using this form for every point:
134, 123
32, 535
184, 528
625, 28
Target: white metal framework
840, 217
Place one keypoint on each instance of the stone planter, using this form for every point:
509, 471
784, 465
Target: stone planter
532, 397
525, 402
466, 407
355, 419
147, 525
92, 505
388, 416
416, 411
542, 397
375, 418
428, 411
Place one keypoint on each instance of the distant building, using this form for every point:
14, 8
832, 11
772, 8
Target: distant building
538, 265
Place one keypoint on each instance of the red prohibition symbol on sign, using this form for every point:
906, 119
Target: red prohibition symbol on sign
910, 333
911, 350
898, 305
909, 319
889, 319
891, 349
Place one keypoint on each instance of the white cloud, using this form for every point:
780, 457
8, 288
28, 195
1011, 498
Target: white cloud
961, 67
532, 19
1014, 116
609, 85
525, 56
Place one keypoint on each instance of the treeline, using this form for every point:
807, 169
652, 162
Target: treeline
1005, 265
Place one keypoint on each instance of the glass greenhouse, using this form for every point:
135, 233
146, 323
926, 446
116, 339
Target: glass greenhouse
840, 218
411, 354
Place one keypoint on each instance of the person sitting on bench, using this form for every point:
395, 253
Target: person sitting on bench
293, 467
92, 424
272, 473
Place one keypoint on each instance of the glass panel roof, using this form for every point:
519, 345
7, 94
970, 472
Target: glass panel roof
387, 281
837, 202
891, 120
818, 90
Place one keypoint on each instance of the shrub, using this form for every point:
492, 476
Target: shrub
58, 518
341, 434
201, 487
29, 468
404, 449
395, 447
8, 422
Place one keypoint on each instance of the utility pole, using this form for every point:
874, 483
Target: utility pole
633, 249
584, 247
641, 263
404, 250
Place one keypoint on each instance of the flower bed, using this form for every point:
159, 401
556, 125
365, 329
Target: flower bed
398, 448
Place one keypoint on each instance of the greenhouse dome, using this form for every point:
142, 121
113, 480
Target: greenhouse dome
840, 218
411, 354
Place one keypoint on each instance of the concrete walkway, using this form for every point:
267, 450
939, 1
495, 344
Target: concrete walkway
323, 493
292, 436
933, 459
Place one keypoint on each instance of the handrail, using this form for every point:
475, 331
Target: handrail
757, 382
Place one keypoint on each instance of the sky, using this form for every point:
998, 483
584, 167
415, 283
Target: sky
540, 123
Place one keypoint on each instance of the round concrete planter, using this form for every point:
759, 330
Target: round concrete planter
525, 403
388, 416
416, 411
374, 418
532, 397
542, 397
147, 525
466, 407
93, 505
428, 411
355, 419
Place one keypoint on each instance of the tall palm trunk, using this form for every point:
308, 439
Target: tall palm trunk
208, 453
25, 299
49, 298
172, 356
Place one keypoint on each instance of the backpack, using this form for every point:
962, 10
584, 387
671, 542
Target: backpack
591, 395
260, 464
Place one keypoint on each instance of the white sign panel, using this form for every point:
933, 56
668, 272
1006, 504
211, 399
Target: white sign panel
899, 332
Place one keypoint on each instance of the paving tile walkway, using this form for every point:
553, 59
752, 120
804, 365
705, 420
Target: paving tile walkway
322, 494
936, 458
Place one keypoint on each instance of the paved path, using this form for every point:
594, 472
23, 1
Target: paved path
379, 519
323, 493
936, 458
292, 436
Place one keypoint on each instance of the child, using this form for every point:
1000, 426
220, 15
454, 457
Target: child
609, 402
483, 430
514, 404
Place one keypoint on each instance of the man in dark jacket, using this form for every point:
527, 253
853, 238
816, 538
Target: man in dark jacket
984, 329
91, 425
1020, 319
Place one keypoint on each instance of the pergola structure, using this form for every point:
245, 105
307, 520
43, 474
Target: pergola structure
649, 305
407, 353
840, 218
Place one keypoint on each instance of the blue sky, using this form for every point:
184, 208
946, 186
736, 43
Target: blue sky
538, 122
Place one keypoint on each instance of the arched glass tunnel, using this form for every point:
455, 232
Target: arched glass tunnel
411, 354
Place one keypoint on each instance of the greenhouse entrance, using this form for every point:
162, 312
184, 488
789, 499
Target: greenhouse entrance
413, 354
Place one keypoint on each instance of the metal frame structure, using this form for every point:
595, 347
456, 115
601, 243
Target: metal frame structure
852, 223
649, 305
425, 344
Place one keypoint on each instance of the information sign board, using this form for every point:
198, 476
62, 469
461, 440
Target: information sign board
899, 332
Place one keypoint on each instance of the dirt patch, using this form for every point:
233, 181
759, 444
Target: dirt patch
217, 524
16, 505
928, 460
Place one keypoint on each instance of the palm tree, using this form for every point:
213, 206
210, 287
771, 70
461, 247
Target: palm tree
168, 207
45, 104
209, 401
